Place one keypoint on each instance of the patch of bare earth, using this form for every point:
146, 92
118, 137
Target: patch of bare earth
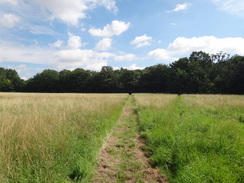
121, 158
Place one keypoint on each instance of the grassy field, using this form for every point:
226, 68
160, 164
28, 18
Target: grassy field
58, 137
194, 138
54, 137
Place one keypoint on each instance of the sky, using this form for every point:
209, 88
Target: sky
133, 34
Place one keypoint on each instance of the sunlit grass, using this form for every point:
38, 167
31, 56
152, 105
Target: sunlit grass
53, 137
215, 100
154, 100
195, 138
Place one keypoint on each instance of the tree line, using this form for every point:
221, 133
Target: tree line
200, 73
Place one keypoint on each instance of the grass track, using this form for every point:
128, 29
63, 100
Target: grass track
121, 159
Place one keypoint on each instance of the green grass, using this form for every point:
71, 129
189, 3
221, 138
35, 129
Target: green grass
128, 167
195, 138
54, 137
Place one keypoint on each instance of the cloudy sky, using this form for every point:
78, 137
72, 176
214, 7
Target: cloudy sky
68, 34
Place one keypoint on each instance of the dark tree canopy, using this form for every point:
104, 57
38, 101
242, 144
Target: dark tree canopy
200, 73
10, 80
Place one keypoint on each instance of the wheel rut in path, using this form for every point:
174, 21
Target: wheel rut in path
121, 158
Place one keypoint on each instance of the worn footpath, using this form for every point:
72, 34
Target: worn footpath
122, 158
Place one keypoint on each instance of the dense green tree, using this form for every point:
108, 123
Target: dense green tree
229, 75
179, 76
15, 81
201, 66
10, 80
65, 81
237, 83
47, 81
192, 75
2, 79
200, 73
155, 79
128, 80
79, 80
105, 81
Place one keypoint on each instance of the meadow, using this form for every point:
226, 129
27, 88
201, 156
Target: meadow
194, 138
58, 137
54, 137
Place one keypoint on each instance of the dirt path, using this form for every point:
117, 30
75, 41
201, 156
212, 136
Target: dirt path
121, 158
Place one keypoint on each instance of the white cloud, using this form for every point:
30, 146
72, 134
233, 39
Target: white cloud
125, 57
182, 46
61, 59
26, 71
57, 44
25, 15
71, 12
74, 41
35, 29
108, 4
131, 67
10, 52
71, 59
20, 68
65, 10
96, 66
115, 28
24, 78
180, 7
9, 20
209, 44
134, 67
12, 2
231, 6
161, 54
104, 44
142, 41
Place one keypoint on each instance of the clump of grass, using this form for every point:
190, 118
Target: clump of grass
53, 137
204, 143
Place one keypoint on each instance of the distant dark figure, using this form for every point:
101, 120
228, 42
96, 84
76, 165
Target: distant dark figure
179, 94
130, 93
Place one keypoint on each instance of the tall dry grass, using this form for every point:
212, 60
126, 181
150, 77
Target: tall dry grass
53, 137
